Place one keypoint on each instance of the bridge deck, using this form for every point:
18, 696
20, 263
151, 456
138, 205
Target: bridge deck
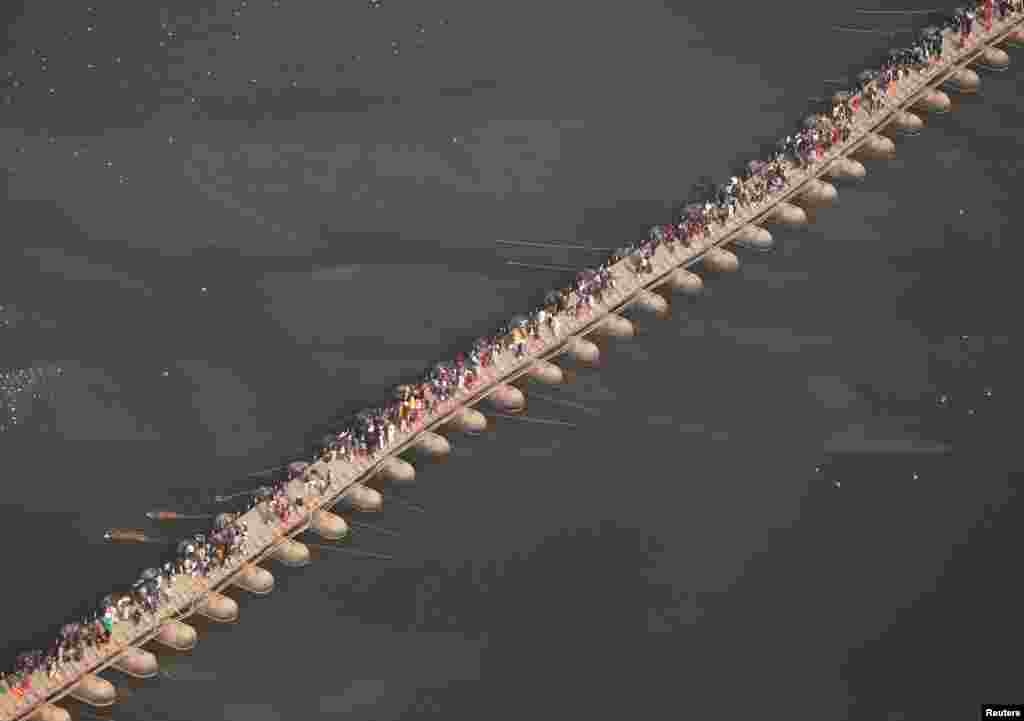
266, 534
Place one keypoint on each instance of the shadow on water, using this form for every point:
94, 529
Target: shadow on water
605, 593
472, 597
564, 626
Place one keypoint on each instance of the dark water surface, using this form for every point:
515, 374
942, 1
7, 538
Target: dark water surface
798, 497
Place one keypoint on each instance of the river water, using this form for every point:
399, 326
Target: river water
228, 223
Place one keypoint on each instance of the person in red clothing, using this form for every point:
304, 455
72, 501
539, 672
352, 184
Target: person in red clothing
20, 684
987, 11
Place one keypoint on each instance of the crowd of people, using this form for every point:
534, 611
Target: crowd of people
195, 557
372, 432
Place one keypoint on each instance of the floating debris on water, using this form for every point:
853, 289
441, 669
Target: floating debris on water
19, 389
